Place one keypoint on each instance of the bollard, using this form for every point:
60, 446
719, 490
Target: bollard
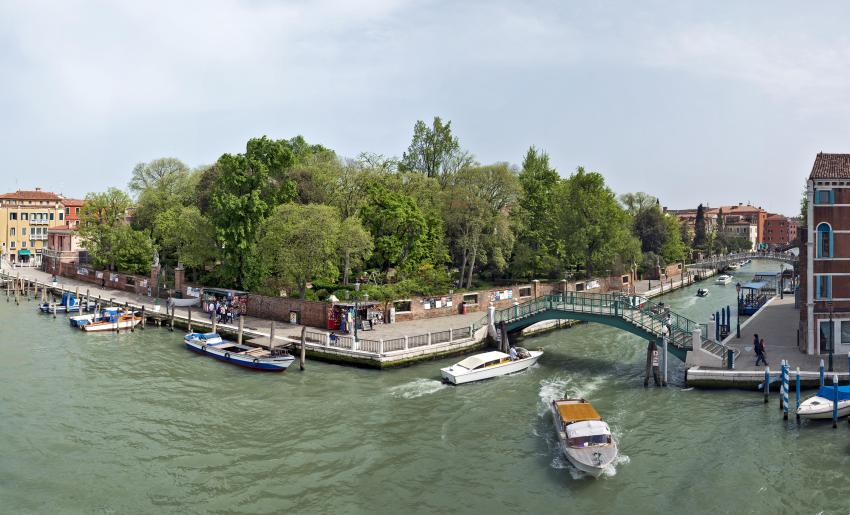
766, 383
785, 381
797, 411
835, 401
730, 359
781, 379
821, 372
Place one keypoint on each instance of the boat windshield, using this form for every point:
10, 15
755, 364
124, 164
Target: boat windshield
589, 441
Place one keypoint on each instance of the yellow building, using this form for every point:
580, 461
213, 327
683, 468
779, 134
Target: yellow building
24, 219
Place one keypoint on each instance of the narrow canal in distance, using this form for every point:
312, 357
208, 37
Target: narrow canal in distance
134, 423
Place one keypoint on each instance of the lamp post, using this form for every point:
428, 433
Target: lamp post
738, 311
781, 281
356, 307
831, 335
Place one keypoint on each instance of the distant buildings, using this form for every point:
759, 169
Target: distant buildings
743, 214
744, 221
780, 231
25, 217
743, 230
825, 257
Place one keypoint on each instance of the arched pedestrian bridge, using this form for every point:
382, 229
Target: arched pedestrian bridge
617, 310
722, 261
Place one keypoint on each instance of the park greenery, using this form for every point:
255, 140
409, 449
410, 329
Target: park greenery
290, 217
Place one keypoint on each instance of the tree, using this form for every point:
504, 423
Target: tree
187, 234
594, 227
296, 245
109, 240
434, 151
699, 228
651, 229
537, 246
674, 249
637, 202
162, 173
355, 245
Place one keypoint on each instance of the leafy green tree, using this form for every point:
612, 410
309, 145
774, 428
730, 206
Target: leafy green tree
594, 227
296, 245
651, 228
434, 151
674, 249
537, 246
699, 229
109, 240
638, 202
164, 173
188, 234
355, 245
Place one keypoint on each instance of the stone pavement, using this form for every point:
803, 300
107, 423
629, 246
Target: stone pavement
777, 323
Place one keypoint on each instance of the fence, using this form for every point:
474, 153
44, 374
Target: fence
460, 335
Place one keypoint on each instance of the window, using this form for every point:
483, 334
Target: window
525, 291
823, 287
23, 231
68, 210
12, 245
470, 298
13, 216
32, 243
61, 215
25, 216
824, 197
824, 241
77, 210
825, 339
845, 332
23, 244
51, 216
402, 306
12, 231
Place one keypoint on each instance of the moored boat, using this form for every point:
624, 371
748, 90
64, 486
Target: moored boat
584, 438
257, 358
702, 292
734, 266
819, 406
104, 314
488, 365
114, 322
68, 303
723, 279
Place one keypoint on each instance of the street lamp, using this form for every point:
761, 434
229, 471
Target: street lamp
738, 311
781, 281
356, 307
831, 334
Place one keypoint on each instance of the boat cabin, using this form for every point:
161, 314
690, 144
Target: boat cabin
481, 361
588, 433
753, 296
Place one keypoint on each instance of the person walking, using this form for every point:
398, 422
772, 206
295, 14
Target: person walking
756, 344
761, 353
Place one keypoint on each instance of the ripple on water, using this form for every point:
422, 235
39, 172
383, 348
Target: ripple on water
417, 388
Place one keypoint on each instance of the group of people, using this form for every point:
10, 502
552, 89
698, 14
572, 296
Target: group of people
224, 312
759, 349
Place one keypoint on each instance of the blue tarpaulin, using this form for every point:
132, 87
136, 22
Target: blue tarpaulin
828, 392
754, 285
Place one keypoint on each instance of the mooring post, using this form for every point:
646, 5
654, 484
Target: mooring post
271, 336
821, 372
781, 381
797, 378
189, 319
766, 383
303, 347
171, 321
214, 321
143, 317
239, 332
835, 401
785, 381
664, 377
53, 305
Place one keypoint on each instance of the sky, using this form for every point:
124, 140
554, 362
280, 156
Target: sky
693, 102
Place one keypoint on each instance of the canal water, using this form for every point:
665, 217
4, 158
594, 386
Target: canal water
134, 423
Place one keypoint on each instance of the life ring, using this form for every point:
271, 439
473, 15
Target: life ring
227, 355
256, 360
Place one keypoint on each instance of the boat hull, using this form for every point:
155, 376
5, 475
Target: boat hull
512, 367
593, 461
46, 308
111, 326
822, 409
264, 364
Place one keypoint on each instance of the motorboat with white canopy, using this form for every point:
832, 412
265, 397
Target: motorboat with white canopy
584, 438
488, 365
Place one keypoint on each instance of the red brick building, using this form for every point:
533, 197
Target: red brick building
825, 257
72, 210
779, 230
743, 213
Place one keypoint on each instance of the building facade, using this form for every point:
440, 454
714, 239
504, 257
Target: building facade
63, 246
25, 217
742, 213
743, 230
779, 231
72, 211
825, 257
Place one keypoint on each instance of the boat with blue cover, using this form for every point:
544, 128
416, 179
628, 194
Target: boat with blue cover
820, 404
257, 358
103, 315
67, 304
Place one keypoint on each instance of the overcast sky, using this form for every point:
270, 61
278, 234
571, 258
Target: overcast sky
690, 101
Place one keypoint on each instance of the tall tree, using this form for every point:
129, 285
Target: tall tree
110, 241
162, 173
638, 202
434, 151
651, 228
699, 228
355, 245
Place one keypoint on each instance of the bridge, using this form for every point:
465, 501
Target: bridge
723, 261
646, 320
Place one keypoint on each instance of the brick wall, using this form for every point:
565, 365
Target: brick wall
125, 282
310, 312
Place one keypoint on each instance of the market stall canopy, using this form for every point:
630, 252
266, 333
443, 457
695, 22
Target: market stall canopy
754, 285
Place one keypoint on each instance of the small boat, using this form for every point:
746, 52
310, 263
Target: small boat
104, 314
489, 364
584, 438
246, 356
67, 304
820, 405
702, 292
723, 279
114, 322
734, 266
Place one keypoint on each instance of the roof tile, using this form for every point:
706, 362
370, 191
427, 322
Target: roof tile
831, 166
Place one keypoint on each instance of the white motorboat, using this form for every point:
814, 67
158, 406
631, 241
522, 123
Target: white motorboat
489, 364
702, 292
114, 323
584, 438
723, 279
734, 266
246, 356
820, 405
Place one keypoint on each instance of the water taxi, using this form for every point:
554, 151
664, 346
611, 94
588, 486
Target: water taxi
723, 279
488, 365
104, 314
114, 322
584, 438
702, 292
819, 405
211, 344
734, 266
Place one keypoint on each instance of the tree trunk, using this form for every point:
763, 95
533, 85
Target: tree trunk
462, 270
302, 287
471, 267
346, 267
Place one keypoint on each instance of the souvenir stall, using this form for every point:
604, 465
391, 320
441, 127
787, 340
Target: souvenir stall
342, 316
233, 298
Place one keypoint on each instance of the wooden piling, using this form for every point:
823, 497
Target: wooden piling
214, 321
303, 347
239, 332
271, 336
142, 325
53, 305
766, 383
171, 321
835, 401
189, 319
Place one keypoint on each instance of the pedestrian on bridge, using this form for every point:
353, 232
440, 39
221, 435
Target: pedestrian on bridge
761, 353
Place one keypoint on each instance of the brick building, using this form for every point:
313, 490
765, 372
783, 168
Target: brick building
743, 213
72, 211
825, 256
779, 230
63, 246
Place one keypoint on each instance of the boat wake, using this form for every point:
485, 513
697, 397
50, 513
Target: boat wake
611, 470
559, 387
417, 388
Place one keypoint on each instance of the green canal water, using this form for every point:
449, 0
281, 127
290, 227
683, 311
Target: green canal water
134, 423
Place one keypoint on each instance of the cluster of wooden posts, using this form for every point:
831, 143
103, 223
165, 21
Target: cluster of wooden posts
18, 287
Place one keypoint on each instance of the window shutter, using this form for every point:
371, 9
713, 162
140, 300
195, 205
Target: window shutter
817, 287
